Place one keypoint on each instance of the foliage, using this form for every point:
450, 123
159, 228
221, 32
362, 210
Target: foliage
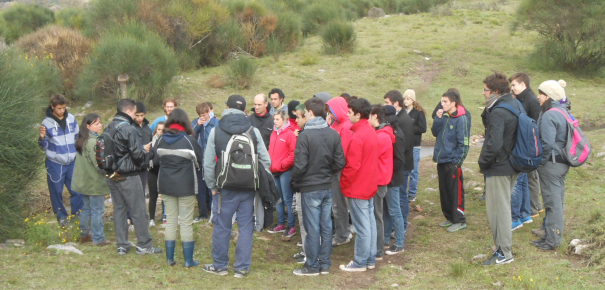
70, 17
338, 37
40, 232
572, 32
21, 19
256, 25
241, 72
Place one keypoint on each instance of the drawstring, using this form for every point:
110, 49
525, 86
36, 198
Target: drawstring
51, 177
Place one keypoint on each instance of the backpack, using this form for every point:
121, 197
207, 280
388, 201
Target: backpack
237, 166
527, 151
104, 149
577, 147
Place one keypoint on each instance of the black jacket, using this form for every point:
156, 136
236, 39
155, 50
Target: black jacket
419, 121
398, 153
530, 104
407, 126
144, 130
317, 157
264, 124
267, 189
499, 139
181, 158
128, 147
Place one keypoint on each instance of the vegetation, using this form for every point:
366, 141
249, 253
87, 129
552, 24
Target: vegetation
21, 19
338, 37
241, 72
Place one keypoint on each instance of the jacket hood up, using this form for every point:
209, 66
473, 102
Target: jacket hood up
234, 121
338, 107
172, 138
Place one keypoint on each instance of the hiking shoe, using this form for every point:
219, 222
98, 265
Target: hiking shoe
324, 271
445, 224
542, 245
394, 250
123, 251
379, 258
300, 254
517, 225
148, 251
277, 229
304, 271
211, 269
151, 223
482, 198
289, 232
198, 219
527, 220
498, 259
537, 241
351, 267
456, 227
301, 260
241, 273
539, 232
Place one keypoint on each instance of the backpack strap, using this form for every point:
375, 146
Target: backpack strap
509, 108
564, 115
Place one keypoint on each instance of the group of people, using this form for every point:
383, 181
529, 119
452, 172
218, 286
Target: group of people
339, 165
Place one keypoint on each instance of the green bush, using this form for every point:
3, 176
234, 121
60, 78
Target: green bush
21, 19
102, 14
241, 72
338, 37
224, 39
317, 15
70, 17
289, 30
130, 49
418, 6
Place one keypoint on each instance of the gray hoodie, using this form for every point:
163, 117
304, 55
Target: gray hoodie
553, 130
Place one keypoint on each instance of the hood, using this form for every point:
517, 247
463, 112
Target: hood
459, 112
62, 122
323, 96
316, 123
172, 138
385, 128
340, 109
234, 121
285, 127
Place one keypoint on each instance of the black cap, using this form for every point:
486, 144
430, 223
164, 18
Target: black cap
236, 102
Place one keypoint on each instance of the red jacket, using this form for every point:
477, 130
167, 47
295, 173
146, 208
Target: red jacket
281, 148
342, 125
293, 124
386, 139
360, 176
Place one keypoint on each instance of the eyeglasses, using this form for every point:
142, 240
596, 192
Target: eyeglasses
486, 90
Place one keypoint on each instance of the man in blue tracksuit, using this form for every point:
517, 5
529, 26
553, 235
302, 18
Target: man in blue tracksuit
202, 127
58, 135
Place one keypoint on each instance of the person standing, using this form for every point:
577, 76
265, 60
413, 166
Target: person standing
300, 256
277, 97
292, 114
154, 169
142, 125
262, 119
57, 137
169, 105
417, 114
202, 127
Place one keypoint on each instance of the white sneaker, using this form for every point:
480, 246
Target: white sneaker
151, 223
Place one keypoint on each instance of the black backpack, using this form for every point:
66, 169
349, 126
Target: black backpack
237, 166
104, 149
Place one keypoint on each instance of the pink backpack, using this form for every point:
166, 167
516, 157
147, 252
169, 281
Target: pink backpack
577, 148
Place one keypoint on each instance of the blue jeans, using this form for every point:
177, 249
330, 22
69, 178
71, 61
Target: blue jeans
317, 209
362, 214
92, 212
412, 175
520, 201
394, 218
57, 176
282, 182
231, 202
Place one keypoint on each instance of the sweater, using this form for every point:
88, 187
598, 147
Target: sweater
60, 139
88, 179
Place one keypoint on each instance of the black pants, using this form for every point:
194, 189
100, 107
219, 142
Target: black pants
204, 196
451, 192
152, 182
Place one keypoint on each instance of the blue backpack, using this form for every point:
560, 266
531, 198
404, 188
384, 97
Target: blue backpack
527, 152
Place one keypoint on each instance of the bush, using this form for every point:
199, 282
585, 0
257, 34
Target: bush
21, 19
338, 37
574, 40
102, 14
224, 39
134, 50
256, 26
70, 17
288, 32
241, 72
66, 47
319, 14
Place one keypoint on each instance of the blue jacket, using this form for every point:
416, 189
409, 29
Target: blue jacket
60, 139
453, 134
203, 131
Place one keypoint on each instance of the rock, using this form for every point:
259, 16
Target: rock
427, 58
18, 245
3, 247
88, 104
430, 189
376, 12
601, 154
497, 284
14, 241
418, 217
478, 188
418, 208
67, 248
395, 285
579, 249
479, 257
321, 70
417, 51
575, 242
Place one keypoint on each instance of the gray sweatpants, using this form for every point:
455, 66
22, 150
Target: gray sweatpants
378, 210
552, 180
303, 232
128, 194
498, 190
533, 179
340, 210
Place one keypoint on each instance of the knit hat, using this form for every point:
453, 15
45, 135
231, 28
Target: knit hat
555, 90
323, 96
236, 102
410, 94
291, 108
389, 110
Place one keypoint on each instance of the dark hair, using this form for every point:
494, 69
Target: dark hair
362, 107
547, 104
349, 98
277, 91
497, 82
141, 108
155, 131
57, 99
126, 104
395, 96
454, 90
178, 116
84, 132
520, 77
453, 97
345, 95
317, 106
378, 110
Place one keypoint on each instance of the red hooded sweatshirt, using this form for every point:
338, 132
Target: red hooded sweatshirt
342, 125
360, 176
386, 139
281, 148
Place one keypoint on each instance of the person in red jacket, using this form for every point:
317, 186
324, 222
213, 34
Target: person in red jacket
281, 149
386, 139
338, 120
359, 182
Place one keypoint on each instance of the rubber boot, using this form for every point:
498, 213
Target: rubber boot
170, 252
188, 248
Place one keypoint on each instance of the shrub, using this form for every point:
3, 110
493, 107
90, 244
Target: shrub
288, 31
338, 37
418, 6
224, 39
216, 82
134, 50
70, 17
319, 14
66, 47
574, 40
21, 19
241, 72
102, 14
256, 26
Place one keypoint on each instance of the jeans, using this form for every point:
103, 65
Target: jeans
282, 182
92, 213
393, 218
57, 176
317, 208
520, 202
404, 203
362, 214
413, 177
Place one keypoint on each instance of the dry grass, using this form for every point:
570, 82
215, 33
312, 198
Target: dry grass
216, 81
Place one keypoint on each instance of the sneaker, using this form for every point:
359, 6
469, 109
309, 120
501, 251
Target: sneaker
290, 232
517, 225
351, 267
211, 269
527, 220
371, 267
198, 219
324, 271
301, 260
412, 199
129, 221
241, 273
539, 232
456, 227
164, 221
147, 251
299, 244
277, 229
300, 254
394, 250
123, 251
151, 223
304, 271
533, 215
445, 224
498, 259
348, 240
379, 258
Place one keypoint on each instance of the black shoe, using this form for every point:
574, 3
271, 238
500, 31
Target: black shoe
211, 269
324, 271
123, 251
241, 273
300, 254
544, 246
394, 250
536, 242
304, 271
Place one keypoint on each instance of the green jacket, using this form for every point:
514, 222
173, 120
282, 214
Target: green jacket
88, 179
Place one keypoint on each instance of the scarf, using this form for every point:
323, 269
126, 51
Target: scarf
177, 127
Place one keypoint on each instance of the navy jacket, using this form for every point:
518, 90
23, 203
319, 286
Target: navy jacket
453, 134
